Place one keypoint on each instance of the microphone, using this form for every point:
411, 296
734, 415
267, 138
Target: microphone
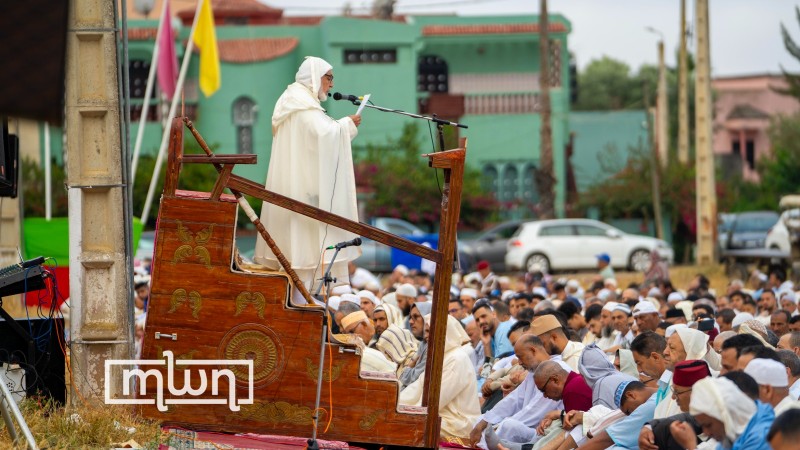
348, 97
355, 242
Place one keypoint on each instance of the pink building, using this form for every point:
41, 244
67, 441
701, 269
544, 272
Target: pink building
742, 112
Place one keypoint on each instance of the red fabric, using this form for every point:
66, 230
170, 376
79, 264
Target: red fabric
42, 298
577, 396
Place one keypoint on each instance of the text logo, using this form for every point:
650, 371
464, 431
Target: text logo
185, 395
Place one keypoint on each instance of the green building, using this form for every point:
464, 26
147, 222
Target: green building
480, 71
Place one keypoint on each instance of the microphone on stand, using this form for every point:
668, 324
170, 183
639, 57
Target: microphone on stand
347, 97
355, 242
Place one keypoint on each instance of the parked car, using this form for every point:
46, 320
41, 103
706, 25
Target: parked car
566, 244
377, 257
785, 231
749, 229
491, 245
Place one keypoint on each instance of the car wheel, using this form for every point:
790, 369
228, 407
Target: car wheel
639, 260
537, 261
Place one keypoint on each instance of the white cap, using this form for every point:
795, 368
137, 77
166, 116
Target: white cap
674, 297
653, 292
349, 298
603, 294
342, 289
622, 307
407, 289
573, 283
767, 372
504, 280
507, 295
370, 296
741, 318
611, 281
541, 291
644, 307
333, 302
610, 306
402, 269
469, 292
789, 295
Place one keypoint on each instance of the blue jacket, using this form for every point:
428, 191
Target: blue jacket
755, 435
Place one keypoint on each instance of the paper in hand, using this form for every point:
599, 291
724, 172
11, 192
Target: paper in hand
363, 104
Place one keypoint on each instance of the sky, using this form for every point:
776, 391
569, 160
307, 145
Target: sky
745, 34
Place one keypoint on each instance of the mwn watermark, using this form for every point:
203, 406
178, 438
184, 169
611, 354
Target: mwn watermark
140, 375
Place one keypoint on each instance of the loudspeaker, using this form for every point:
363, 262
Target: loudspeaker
43, 361
9, 163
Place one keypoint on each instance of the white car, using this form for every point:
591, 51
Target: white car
778, 236
567, 244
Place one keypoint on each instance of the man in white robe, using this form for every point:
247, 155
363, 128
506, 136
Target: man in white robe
311, 162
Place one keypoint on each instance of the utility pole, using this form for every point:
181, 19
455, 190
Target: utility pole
655, 176
544, 175
663, 108
704, 157
683, 88
99, 267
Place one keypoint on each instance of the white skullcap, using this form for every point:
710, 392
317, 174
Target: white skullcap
789, 295
333, 302
342, 289
653, 292
504, 280
507, 295
644, 307
674, 297
372, 286
767, 372
673, 328
370, 296
622, 307
573, 283
469, 292
603, 294
402, 269
407, 289
611, 281
349, 298
610, 306
741, 318
541, 291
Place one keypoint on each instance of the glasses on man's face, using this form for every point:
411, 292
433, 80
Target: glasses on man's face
545, 385
675, 393
329, 78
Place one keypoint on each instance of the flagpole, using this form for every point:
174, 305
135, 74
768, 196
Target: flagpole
148, 92
165, 135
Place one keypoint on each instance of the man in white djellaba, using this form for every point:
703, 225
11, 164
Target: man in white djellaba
311, 162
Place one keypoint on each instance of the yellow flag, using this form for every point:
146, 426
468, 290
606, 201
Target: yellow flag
205, 38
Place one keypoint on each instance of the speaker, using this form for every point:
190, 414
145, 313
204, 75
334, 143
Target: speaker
9, 163
42, 361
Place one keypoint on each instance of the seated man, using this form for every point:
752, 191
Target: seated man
636, 401
372, 360
784, 434
416, 322
726, 414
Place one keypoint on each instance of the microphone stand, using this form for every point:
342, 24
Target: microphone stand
439, 122
327, 279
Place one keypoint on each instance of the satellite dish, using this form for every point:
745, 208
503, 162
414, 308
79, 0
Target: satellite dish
144, 6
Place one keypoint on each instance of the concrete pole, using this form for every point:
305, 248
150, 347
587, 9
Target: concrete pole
99, 269
683, 89
545, 178
662, 107
704, 157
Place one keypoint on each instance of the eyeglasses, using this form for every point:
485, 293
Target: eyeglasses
545, 384
675, 393
329, 77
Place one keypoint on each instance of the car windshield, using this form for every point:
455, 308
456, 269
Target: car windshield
755, 223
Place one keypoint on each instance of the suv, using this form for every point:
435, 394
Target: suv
563, 244
749, 229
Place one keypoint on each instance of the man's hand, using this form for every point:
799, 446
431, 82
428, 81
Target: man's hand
684, 434
475, 434
573, 419
647, 441
518, 377
486, 389
356, 119
543, 425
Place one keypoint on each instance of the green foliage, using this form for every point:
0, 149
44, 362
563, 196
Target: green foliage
792, 80
403, 186
33, 191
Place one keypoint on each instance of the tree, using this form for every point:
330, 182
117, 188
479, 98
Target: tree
401, 184
604, 85
791, 79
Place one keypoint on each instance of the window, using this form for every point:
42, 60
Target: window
529, 191
589, 230
510, 183
507, 232
556, 230
490, 179
370, 56
750, 153
432, 74
139, 70
244, 116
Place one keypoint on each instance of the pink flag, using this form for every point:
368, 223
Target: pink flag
167, 59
